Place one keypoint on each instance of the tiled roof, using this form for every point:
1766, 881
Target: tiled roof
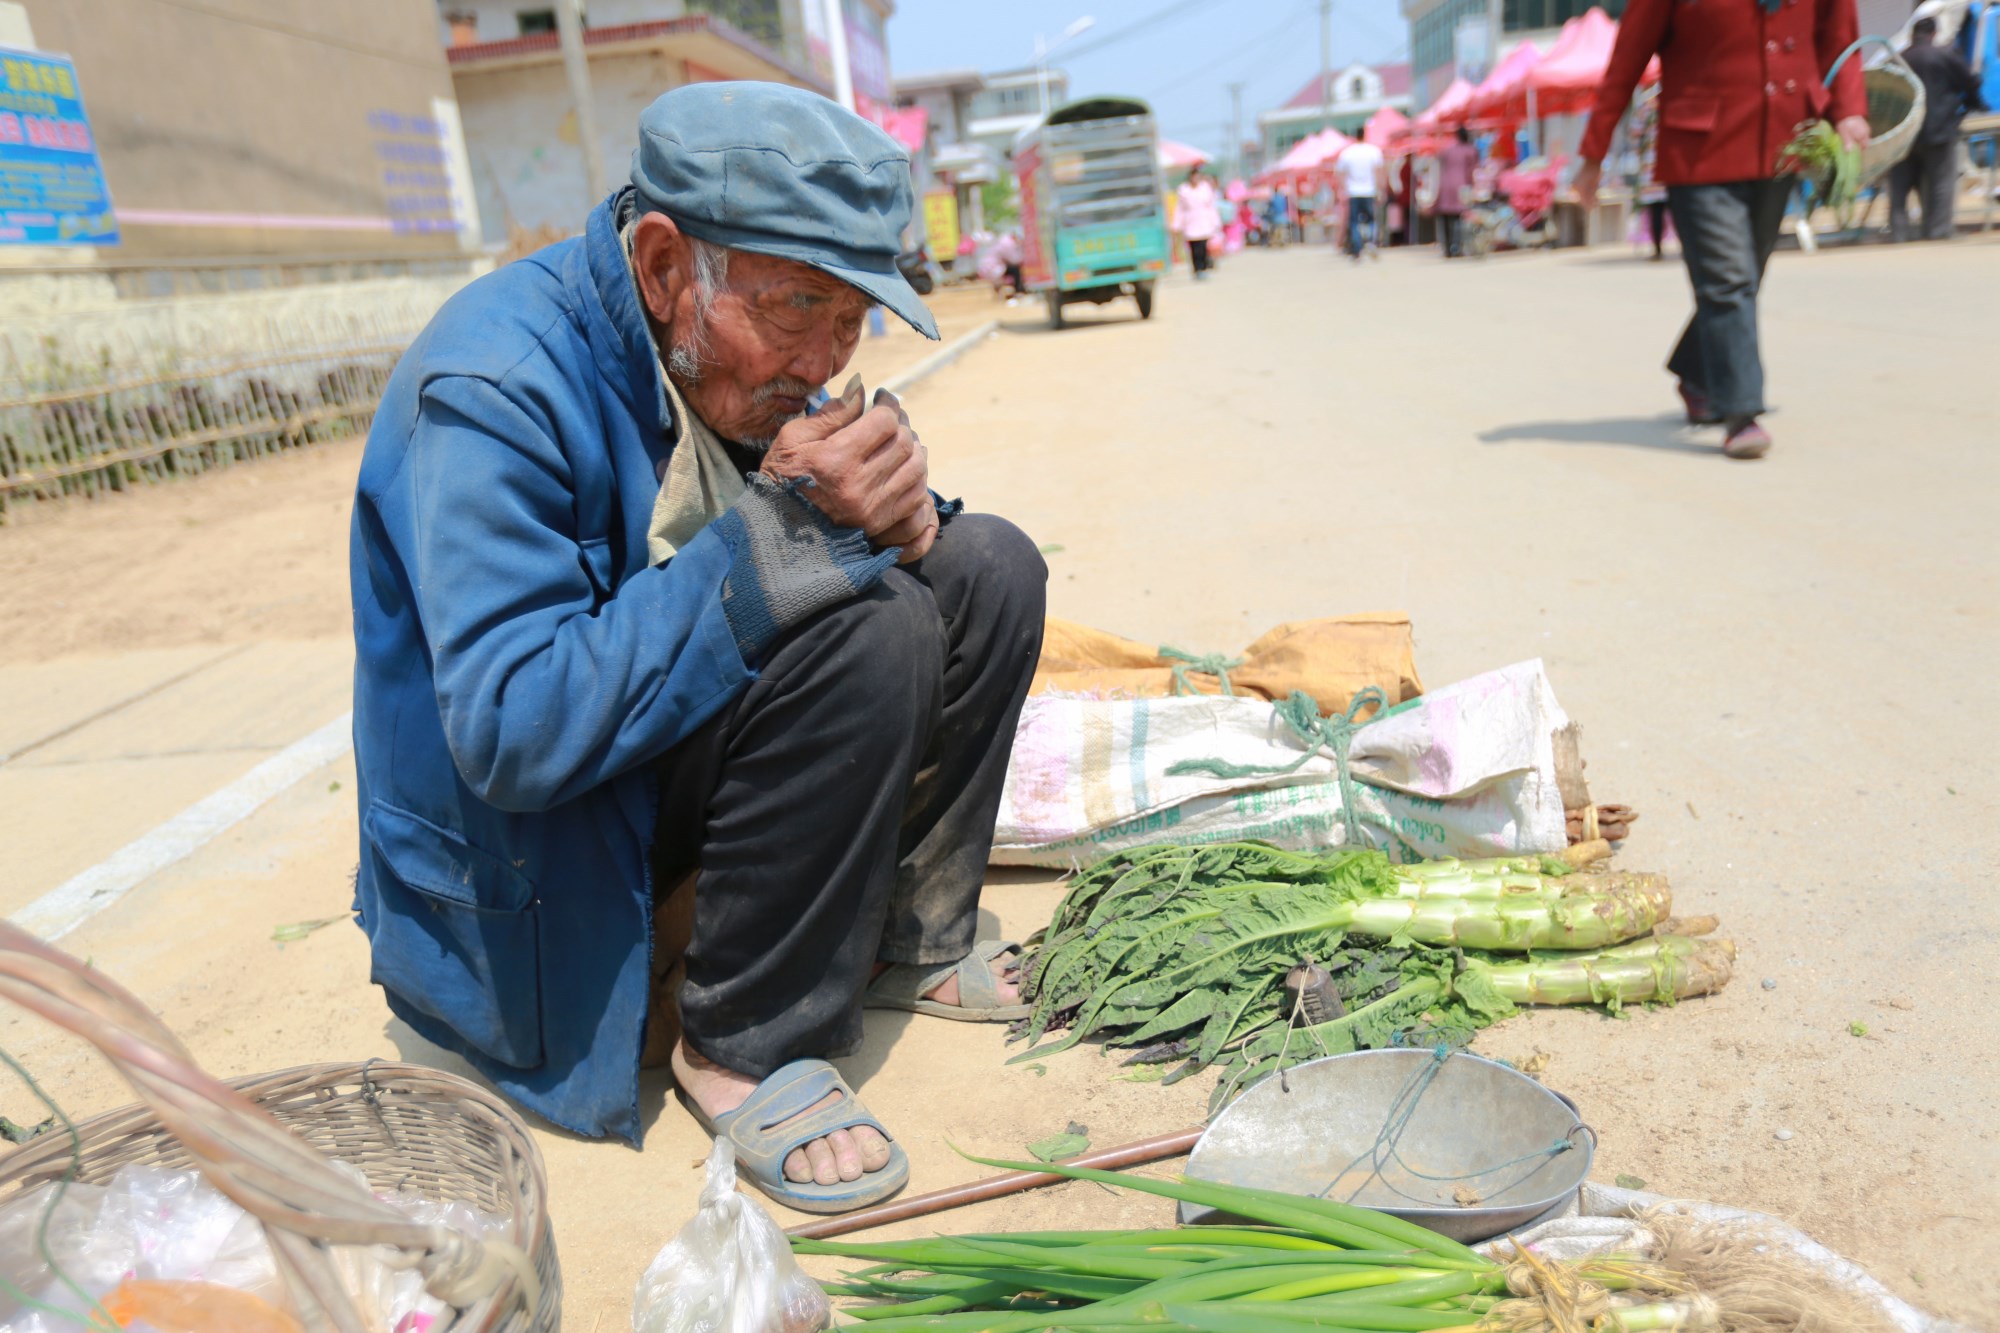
1395, 82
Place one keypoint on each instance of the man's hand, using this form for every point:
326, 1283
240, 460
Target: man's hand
1589, 175
1854, 132
916, 532
868, 468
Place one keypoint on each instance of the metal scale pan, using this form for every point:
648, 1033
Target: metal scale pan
1469, 1127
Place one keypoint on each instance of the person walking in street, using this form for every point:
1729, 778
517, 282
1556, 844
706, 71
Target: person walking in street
1278, 214
1643, 125
1455, 167
1362, 174
1737, 77
1198, 218
1950, 90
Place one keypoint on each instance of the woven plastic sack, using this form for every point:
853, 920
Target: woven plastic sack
1604, 1219
1469, 770
729, 1270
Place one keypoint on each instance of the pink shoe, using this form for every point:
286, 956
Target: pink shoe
1746, 439
1700, 412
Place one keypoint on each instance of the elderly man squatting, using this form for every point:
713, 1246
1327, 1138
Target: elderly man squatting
625, 611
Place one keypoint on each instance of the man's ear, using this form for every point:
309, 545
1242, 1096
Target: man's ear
663, 264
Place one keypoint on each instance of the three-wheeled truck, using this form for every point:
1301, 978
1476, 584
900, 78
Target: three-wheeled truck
1093, 206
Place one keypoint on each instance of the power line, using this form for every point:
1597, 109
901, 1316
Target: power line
1137, 26
1283, 28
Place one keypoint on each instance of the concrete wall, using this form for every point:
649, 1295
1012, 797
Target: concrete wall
497, 20
521, 135
264, 127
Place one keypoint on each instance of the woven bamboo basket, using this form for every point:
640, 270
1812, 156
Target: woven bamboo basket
265, 1142
1895, 108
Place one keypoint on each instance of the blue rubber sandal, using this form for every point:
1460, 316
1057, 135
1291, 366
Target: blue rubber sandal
762, 1137
906, 986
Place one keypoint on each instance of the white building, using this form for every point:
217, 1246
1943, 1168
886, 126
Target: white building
949, 158
1011, 101
1352, 95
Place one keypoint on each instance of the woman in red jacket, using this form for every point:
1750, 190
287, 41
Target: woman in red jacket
1737, 78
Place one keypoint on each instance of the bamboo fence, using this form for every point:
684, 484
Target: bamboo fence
104, 406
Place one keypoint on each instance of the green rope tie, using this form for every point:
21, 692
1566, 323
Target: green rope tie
1207, 664
1386, 1149
1333, 734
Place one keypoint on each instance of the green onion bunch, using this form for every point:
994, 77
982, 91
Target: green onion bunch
1818, 153
1301, 1263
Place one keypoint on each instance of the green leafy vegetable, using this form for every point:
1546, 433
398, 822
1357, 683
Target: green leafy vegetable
1055, 1147
1181, 952
1817, 153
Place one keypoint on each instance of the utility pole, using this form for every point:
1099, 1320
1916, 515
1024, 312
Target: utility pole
836, 50
1236, 129
1326, 64
569, 29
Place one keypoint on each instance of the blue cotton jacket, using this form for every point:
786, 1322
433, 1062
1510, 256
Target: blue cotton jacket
518, 666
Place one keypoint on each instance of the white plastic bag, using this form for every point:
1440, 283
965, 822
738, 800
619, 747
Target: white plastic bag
729, 1270
148, 1223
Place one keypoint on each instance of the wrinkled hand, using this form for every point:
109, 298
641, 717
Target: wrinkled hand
1589, 175
868, 468
919, 530
1853, 132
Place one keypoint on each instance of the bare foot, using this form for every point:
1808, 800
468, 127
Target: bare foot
1005, 972
844, 1154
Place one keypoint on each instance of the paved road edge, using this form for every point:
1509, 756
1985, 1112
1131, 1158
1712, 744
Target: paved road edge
82, 896
941, 358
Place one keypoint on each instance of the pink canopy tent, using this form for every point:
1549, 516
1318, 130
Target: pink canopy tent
1385, 127
1315, 150
1310, 154
1448, 110
1179, 156
1489, 100
1565, 81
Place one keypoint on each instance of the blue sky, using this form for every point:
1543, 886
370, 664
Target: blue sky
1181, 58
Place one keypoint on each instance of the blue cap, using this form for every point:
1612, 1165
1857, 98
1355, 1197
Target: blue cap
781, 171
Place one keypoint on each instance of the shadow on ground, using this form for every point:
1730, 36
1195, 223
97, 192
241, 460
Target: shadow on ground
1661, 432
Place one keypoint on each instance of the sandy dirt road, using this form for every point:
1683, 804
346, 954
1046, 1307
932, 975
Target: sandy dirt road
1786, 666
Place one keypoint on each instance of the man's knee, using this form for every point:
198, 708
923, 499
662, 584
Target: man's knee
897, 632
1004, 560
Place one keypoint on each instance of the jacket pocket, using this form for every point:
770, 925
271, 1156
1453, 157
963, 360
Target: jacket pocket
455, 934
1694, 114
1818, 99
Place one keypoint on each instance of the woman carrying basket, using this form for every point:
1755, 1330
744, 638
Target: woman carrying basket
1737, 78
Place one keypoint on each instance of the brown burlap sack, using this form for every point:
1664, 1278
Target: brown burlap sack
1329, 659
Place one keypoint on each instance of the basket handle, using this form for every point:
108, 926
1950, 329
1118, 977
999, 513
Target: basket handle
305, 1203
1856, 45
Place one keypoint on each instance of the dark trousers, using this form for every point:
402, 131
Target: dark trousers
1656, 225
841, 810
1932, 171
1360, 224
1727, 232
1451, 234
1198, 255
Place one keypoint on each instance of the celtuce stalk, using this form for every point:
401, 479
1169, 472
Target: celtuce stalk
1674, 967
1182, 952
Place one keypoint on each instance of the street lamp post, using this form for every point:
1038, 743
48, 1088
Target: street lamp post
1043, 49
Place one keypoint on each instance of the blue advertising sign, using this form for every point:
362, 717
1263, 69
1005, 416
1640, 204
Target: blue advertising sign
52, 189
